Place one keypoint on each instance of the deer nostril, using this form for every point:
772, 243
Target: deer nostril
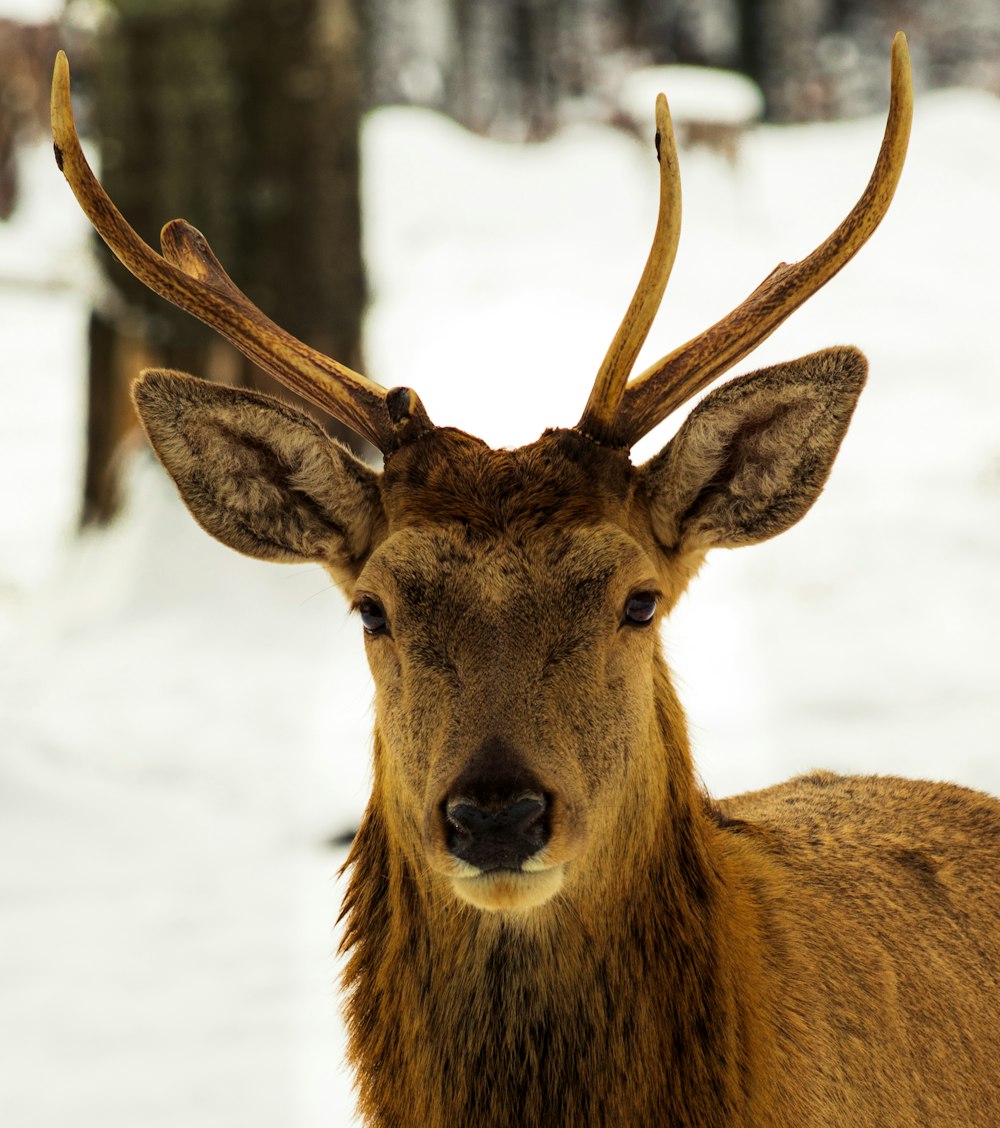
498, 836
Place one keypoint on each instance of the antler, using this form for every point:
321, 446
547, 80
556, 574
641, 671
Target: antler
189, 275
670, 382
605, 399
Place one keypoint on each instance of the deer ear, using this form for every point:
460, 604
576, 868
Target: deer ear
259, 476
753, 456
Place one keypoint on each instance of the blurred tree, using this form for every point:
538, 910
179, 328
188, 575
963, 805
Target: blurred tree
522, 68
780, 39
511, 69
507, 65
26, 52
242, 117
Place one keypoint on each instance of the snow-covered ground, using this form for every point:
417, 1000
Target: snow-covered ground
183, 730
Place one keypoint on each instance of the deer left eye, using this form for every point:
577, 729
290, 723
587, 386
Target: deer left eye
373, 617
640, 609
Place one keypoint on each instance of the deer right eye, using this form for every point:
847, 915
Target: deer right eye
640, 609
373, 617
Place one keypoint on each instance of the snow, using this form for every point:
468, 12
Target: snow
184, 731
30, 11
697, 94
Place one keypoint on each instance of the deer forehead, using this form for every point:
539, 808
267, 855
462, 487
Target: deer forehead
562, 514
449, 573
562, 479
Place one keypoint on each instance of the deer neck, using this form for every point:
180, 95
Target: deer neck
456, 1015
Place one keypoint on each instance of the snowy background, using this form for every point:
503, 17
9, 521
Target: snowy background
183, 732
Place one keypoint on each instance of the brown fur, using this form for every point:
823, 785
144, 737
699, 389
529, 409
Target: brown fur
823, 953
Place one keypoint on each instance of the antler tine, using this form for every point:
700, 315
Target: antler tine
189, 275
664, 386
605, 399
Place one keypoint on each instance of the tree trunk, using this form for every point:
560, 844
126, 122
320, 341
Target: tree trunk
779, 41
241, 116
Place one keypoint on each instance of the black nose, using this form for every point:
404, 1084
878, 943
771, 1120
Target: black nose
502, 835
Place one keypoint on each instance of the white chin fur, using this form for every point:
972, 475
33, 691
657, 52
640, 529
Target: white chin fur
507, 889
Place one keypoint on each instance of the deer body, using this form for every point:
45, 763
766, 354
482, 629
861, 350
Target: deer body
807, 955
547, 923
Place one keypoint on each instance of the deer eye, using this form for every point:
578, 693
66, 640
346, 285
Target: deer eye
373, 617
640, 608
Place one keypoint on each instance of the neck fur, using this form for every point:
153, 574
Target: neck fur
631, 1006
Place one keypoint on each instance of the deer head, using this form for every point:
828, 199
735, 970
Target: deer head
527, 739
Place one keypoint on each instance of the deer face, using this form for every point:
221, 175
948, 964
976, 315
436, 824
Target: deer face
510, 621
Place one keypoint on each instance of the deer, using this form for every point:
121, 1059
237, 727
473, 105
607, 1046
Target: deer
547, 922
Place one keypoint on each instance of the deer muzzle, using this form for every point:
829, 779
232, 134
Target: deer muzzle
499, 836
497, 832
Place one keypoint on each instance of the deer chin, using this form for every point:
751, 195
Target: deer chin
502, 890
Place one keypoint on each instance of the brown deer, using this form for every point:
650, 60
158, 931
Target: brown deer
547, 922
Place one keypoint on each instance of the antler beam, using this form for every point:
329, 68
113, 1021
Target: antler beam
605, 399
674, 379
190, 276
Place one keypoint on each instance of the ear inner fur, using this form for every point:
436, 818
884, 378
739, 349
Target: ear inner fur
260, 476
754, 455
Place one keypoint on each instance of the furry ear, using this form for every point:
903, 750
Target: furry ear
259, 476
753, 456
